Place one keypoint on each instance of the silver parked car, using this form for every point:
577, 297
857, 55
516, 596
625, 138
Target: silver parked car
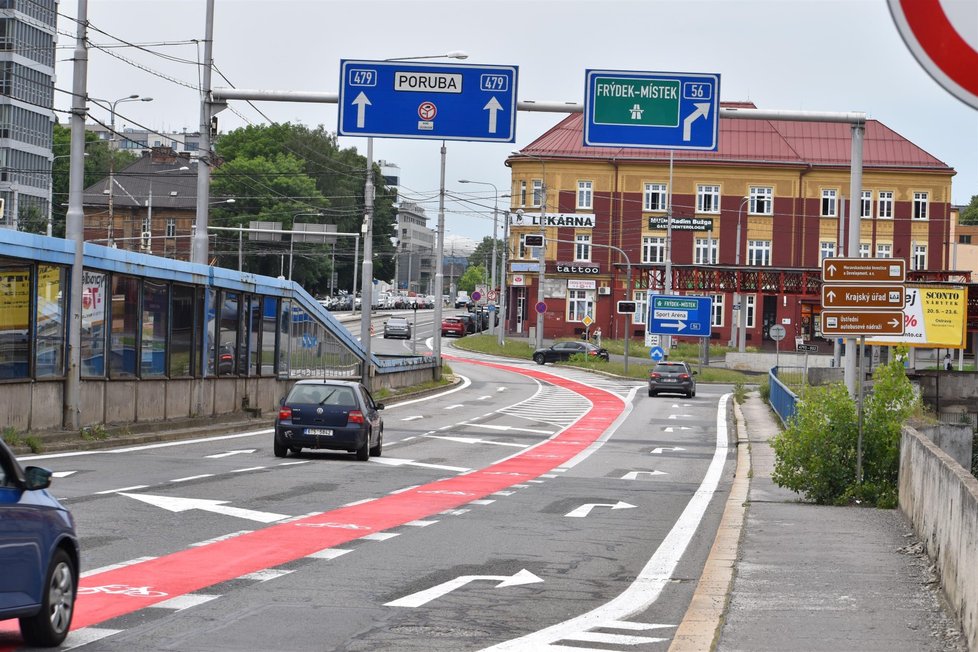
397, 327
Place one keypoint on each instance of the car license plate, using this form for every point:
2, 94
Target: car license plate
668, 380
319, 431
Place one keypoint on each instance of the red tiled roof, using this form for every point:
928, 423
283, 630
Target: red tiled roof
782, 142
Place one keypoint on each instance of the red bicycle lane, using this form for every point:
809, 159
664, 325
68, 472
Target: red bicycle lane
194, 569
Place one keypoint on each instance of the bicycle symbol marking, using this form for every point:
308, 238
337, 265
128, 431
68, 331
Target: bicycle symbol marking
122, 589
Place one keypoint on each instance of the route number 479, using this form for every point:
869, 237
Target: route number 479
697, 91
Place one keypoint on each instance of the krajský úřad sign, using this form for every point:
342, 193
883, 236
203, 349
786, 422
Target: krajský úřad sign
399, 99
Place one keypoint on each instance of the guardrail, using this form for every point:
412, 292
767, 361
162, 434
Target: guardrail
783, 400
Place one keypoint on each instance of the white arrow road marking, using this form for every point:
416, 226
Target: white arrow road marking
492, 106
393, 461
585, 509
476, 440
658, 451
361, 103
671, 429
243, 451
175, 504
63, 474
491, 427
633, 475
677, 416
702, 110
423, 597
414, 418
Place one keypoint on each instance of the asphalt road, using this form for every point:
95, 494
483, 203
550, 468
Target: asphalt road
528, 507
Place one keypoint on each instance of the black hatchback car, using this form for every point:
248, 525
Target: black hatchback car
674, 377
331, 415
564, 350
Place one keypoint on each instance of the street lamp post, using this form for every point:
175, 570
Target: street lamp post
739, 338
112, 104
495, 216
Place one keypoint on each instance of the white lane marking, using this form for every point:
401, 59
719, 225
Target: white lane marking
420, 523
658, 451
516, 428
503, 493
193, 477
633, 475
178, 504
87, 635
484, 398
223, 537
656, 573
380, 536
423, 597
63, 474
549, 475
455, 512
144, 447
401, 491
614, 639
265, 575
294, 463
484, 501
680, 416
360, 502
393, 461
329, 553
115, 491
243, 451
414, 418
477, 440
500, 389
463, 385
181, 602
584, 510
112, 567
453, 407
250, 468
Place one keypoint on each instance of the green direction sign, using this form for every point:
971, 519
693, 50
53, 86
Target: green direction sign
636, 102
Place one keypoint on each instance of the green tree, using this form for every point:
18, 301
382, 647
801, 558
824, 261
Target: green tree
969, 215
482, 256
473, 276
97, 160
817, 452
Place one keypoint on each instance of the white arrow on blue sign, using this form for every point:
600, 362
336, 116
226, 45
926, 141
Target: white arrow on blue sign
431, 101
680, 315
657, 353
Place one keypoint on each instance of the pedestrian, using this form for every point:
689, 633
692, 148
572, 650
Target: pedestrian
597, 336
948, 365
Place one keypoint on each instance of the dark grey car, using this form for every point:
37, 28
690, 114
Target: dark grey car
332, 415
673, 377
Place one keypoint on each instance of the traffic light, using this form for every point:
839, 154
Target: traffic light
627, 308
533, 240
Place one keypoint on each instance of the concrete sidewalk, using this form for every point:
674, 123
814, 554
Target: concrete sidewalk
811, 577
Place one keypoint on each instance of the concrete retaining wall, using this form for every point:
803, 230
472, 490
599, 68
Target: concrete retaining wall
762, 362
941, 500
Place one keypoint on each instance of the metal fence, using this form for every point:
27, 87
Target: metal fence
783, 400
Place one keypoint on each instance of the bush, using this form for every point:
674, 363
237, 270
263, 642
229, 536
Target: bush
816, 454
740, 392
765, 388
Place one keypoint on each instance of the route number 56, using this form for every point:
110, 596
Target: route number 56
697, 91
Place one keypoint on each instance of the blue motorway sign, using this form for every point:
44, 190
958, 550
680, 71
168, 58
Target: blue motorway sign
676, 315
664, 110
439, 101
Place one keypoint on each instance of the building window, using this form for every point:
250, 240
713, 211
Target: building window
653, 250
147, 224
537, 192
829, 203
641, 299
919, 259
750, 304
920, 205
707, 199
885, 206
864, 250
705, 251
964, 239
124, 324
579, 304
584, 194
93, 321
582, 247
50, 315
522, 193
716, 320
655, 197
759, 253
155, 322
866, 205
761, 201
826, 250
182, 340
171, 227
884, 251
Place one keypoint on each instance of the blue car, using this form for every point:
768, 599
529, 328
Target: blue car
38, 554
331, 415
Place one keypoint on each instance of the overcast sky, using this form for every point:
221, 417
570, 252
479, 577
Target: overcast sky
823, 55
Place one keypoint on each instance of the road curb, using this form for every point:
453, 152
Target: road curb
700, 627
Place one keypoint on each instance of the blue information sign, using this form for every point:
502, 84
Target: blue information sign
676, 315
664, 110
657, 353
405, 99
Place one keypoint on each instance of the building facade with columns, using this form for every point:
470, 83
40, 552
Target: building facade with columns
753, 219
